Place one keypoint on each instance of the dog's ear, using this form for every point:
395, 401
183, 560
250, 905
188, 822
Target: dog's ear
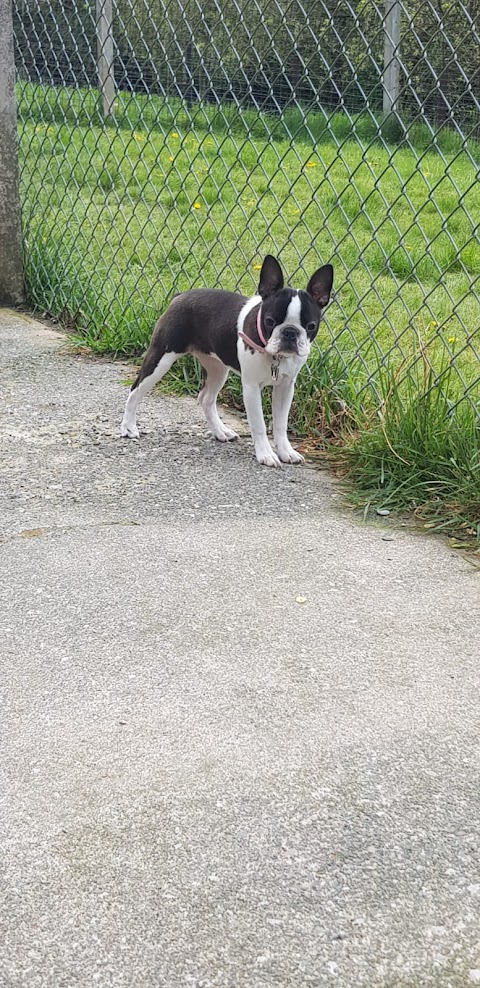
320, 285
271, 277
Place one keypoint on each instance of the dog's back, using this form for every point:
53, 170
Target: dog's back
202, 320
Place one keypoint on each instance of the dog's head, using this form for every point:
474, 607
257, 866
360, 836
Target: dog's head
290, 318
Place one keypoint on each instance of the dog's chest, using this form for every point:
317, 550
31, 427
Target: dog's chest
264, 371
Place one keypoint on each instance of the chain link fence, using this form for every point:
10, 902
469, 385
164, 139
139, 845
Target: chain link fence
171, 143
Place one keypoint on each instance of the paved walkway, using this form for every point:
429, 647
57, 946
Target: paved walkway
205, 782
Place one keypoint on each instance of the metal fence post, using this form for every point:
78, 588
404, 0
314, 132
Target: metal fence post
11, 264
105, 65
391, 52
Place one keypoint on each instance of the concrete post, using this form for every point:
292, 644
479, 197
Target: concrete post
105, 65
11, 262
391, 60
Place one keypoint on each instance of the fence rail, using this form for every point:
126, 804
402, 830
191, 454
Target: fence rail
167, 143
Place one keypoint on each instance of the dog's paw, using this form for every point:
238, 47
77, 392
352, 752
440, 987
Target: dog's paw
226, 435
268, 458
290, 455
129, 431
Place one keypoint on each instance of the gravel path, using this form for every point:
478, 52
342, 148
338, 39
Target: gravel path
239, 731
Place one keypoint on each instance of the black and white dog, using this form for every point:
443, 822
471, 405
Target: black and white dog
266, 339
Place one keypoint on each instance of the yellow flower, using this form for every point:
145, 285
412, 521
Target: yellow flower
452, 339
311, 164
170, 157
139, 137
197, 205
433, 323
256, 267
408, 246
174, 134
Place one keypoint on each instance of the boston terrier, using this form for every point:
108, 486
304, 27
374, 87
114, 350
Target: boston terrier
266, 339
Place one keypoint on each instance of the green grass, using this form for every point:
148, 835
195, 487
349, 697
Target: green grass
418, 453
119, 215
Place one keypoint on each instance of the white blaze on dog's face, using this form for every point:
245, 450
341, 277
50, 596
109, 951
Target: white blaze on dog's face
290, 318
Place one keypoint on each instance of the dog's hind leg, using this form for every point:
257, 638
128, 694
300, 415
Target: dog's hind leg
216, 374
154, 367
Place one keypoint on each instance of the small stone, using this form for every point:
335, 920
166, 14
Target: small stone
332, 967
383, 512
388, 538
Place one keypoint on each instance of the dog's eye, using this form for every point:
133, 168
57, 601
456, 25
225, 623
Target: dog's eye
311, 327
269, 322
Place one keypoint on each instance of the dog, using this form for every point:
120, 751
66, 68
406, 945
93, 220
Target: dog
266, 339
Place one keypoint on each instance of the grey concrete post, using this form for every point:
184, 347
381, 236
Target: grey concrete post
105, 64
391, 60
11, 263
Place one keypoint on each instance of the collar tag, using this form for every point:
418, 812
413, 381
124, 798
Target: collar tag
275, 368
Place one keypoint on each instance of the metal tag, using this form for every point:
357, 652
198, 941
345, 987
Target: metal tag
275, 368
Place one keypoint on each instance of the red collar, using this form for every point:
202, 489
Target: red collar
246, 339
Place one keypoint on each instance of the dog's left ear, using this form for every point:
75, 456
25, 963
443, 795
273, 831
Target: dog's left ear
271, 277
320, 285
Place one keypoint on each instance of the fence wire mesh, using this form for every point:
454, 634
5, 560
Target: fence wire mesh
171, 143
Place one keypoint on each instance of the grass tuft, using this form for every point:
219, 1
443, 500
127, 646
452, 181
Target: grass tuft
418, 452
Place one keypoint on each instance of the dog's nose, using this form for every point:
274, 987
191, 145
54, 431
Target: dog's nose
289, 334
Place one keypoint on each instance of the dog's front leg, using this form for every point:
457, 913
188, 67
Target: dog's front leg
281, 402
252, 398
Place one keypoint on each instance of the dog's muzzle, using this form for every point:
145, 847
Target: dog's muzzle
289, 339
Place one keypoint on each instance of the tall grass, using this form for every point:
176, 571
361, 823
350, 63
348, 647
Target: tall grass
419, 452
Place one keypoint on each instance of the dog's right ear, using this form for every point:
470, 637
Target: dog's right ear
271, 277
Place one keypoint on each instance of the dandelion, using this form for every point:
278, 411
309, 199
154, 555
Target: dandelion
452, 339
174, 134
256, 267
170, 157
433, 323
197, 205
408, 246
311, 164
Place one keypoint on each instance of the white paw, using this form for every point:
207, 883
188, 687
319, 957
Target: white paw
268, 458
129, 431
288, 454
226, 435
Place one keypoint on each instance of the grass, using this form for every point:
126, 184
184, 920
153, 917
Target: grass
119, 215
418, 453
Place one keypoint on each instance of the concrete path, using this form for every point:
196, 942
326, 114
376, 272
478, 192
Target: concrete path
205, 782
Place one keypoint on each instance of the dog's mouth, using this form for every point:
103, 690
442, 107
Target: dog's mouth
288, 348
287, 341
